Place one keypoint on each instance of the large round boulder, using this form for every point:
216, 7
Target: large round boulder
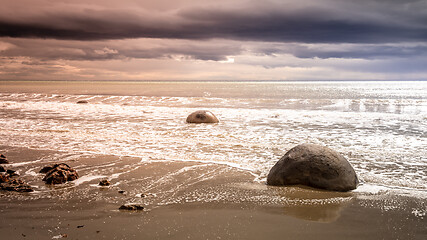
315, 166
202, 116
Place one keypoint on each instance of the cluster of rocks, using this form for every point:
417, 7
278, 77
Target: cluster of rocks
9, 180
55, 174
9, 183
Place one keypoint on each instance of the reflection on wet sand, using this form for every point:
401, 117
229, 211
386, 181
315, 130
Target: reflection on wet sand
312, 204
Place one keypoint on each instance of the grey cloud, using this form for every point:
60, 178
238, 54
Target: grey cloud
365, 52
387, 66
394, 68
120, 49
215, 50
366, 29
274, 22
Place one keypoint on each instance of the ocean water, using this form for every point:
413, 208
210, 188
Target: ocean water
380, 127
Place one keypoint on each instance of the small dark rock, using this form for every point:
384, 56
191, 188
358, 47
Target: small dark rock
104, 182
2, 169
46, 169
121, 191
60, 173
82, 102
11, 173
3, 159
131, 207
80, 226
4, 178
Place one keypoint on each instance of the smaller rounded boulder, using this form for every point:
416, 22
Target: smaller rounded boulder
315, 166
202, 116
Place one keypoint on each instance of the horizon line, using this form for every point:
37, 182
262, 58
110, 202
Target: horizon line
251, 80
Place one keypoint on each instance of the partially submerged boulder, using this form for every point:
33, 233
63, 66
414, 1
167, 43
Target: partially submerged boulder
315, 166
202, 116
59, 173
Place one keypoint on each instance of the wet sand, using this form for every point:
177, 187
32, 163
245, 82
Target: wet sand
191, 200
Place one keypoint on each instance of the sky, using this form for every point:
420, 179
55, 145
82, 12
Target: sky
213, 40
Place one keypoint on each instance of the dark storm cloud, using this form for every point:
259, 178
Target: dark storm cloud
378, 22
365, 52
89, 25
362, 51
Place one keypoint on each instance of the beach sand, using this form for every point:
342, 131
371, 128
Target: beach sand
191, 200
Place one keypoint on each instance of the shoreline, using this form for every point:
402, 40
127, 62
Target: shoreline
189, 200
